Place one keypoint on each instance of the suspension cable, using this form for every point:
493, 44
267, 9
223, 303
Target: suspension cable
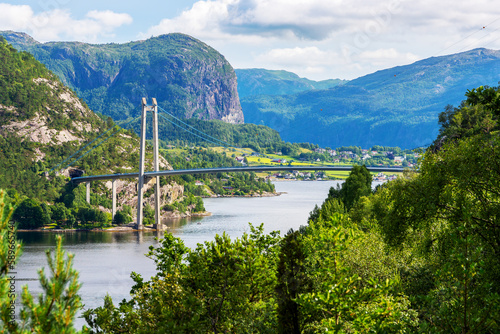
221, 142
102, 142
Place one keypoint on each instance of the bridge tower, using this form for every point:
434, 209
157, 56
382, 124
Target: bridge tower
140, 188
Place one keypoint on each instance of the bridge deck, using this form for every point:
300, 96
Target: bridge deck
82, 179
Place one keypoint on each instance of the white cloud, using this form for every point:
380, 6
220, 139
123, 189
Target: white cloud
108, 18
202, 20
384, 58
299, 19
352, 37
58, 24
14, 17
308, 56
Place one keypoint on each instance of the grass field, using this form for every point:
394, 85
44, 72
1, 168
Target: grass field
231, 151
267, 161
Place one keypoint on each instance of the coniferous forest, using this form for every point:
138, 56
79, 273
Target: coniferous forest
419, 254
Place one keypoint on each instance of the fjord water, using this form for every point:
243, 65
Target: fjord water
105, 260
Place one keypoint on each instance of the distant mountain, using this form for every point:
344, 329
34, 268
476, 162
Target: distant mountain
393, 107
258, 81
188, 77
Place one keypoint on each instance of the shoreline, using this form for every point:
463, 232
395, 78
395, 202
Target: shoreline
110, 230
131, 226
277, 193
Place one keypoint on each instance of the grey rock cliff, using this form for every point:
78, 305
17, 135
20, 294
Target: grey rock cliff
186, 76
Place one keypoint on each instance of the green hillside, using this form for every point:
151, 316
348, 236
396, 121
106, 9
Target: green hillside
395, 107
41, 122
218, 133
188, 78
44, 129
258, 81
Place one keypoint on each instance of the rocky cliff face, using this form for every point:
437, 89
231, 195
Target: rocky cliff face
55, 124
128, 193
187, 77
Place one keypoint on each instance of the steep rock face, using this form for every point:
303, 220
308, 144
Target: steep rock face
128, 193
37, 108
187, 77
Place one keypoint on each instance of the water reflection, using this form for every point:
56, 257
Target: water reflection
83, 237
120, 237
176, 225
158, 236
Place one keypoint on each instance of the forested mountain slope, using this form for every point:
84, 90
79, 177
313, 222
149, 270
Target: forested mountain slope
188, 77
397, 106
42, 123
259, 81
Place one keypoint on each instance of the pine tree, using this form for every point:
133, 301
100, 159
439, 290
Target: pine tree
10, 249
56, 307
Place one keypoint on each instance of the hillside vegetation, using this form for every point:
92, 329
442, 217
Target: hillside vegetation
393, 107
188, 78
43, 124
420, 254
259, 81
41, 121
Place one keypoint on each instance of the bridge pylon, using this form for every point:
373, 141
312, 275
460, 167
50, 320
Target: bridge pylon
140, 188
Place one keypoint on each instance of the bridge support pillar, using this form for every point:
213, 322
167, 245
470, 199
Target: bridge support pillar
158, 225
113, 195
87, 184
140, 190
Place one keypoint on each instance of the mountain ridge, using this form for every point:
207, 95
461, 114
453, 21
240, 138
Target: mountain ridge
397, 106
259, 81
45, 135
188, 77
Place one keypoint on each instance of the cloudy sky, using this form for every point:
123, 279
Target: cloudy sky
317, 39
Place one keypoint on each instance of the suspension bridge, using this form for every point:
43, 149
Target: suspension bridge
143, 176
